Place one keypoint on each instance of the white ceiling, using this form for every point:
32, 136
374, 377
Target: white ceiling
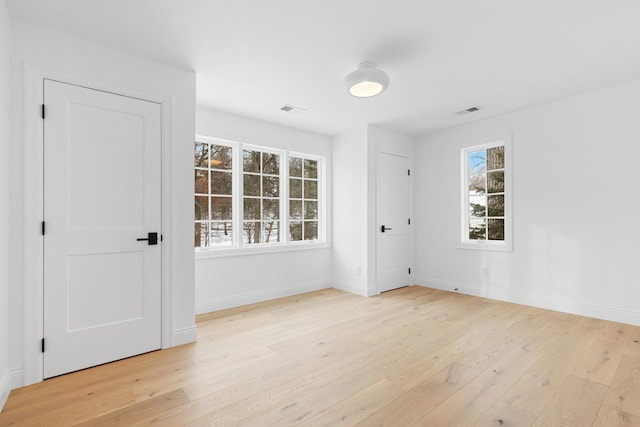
253, 56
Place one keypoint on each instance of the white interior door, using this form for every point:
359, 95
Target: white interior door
102, 287
392, 213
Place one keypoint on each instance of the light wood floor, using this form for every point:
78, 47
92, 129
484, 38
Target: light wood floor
414, 356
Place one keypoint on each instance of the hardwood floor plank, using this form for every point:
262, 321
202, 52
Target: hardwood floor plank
575, 404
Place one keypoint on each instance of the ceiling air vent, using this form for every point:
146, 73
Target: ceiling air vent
467, 111
292, 109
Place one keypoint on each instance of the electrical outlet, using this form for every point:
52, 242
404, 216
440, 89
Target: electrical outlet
485, 272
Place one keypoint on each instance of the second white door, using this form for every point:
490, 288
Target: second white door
392, 212
102, 192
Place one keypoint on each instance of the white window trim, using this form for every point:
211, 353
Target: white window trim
238, 248
463, 238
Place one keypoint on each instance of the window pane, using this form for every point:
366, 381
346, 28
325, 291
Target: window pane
477, 206
201, 234
201, 155
202, 208
270, 186
271, 231
221, 182
496, 229
271, 163
311, 189
477, 229
221, 208
495, 182
295, 188
310, 210
270, 209
251, 208
295, 209
295, 166
221, 233
251, 161
495, 158
310, 230
251, 232
221, 157
310, 168
201, 181
495, 205
295, 231
251, 185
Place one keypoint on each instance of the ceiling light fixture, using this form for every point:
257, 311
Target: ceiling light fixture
366, 81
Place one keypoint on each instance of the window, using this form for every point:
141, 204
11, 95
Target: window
251, 197
213, 198
260, 197
485, 203
303, 199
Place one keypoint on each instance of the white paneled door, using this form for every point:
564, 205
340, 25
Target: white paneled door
102, 193
392, 211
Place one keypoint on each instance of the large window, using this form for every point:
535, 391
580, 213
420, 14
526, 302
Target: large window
485, 197
273, 197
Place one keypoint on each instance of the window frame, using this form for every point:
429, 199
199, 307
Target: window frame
464, 242
238, 247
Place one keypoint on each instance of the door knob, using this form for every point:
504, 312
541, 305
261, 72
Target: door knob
152, 238
385, 228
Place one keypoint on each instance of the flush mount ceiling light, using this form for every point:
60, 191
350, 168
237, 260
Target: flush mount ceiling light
366, 81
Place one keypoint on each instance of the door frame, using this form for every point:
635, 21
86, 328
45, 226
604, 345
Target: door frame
33, 315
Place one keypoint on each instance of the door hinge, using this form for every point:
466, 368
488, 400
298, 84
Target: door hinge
409, 270
408, 170
43, 345
42, 228
43, 111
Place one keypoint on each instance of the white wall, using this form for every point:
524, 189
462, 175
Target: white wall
349, 255
64, 54
5, 56
229, 281
354, 204
575, 207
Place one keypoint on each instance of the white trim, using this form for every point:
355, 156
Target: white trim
463, 241
184, 336
259, 296
34, 76
5, 388
354, 288
541, 301
17, 378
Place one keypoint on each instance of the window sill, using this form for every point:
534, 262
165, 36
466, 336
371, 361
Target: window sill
477, 246
260, 250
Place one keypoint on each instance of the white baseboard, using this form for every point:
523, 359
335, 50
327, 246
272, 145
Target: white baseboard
184, 336
541, 301
5, 388
17, 378
352, 288
259, 296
